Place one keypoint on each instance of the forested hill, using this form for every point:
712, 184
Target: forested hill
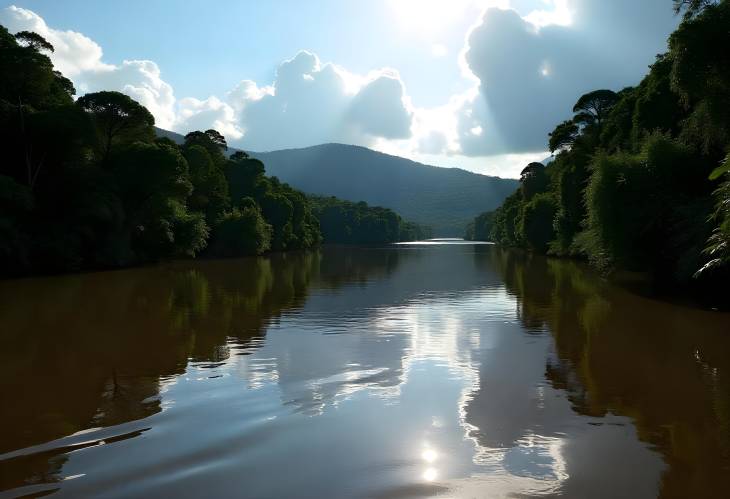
444, 198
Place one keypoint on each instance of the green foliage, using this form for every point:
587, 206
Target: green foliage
700, 74
34, 41
118, 118
28, 78
642, 207
535, 226
87, 185
563, 136
718, 245
243, 231
691, 8
481, 228
533, 180
412, 231
631, 185
572, 176
657, 107
245, 176
286, 210
505, 221
153, 182
593, 107
211, 141
210, 187
721, 170
344, 222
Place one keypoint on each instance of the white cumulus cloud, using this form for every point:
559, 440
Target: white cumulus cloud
311, 103
532, 69
308, 103
80, 59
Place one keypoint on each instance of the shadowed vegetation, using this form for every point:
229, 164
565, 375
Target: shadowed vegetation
639, 179
344, 222
86, 184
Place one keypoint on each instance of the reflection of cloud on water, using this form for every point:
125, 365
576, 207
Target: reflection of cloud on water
443, 341
442, 392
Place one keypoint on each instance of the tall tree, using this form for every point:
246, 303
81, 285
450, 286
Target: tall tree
217, 138
533, 180
563, 136
117, 116
34, 41
592, 108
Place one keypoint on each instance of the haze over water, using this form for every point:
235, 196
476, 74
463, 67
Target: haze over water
449, 369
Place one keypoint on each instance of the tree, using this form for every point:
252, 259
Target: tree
239, 156
64, 84
536, 224
593, 107
533, 180
28, 78
700, 76
345, 222
692, 8
210, 188
242, 231
563, 136
212, 141
480, 229
34, 41
217, 138
117, 117
244, 175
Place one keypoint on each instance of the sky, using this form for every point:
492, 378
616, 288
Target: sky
476, 84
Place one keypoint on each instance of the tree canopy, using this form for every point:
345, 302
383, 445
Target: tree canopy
563, 136
117, 117
34, 41
593, 107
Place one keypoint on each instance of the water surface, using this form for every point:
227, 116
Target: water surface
446, 370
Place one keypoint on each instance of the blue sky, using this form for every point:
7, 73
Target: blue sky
206, 50
470, 83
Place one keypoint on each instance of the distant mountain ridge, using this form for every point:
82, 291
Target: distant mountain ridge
446, 199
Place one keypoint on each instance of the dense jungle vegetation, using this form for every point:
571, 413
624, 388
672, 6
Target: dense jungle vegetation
345, 222
640, 179
86, 183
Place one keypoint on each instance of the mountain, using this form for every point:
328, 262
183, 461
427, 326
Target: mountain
446, 199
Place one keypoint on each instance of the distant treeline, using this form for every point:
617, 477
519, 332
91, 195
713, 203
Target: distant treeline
344, 222
634, 181
86, 184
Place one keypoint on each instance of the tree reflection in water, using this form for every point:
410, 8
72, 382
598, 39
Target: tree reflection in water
434, 369
665, 366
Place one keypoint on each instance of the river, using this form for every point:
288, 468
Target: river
444, 369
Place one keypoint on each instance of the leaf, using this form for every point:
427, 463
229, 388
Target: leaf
721, 170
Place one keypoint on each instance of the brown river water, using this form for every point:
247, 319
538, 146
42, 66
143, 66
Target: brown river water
421, 370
